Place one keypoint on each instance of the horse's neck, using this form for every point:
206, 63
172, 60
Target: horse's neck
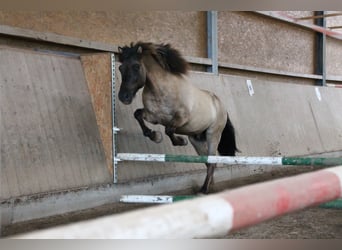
159, 81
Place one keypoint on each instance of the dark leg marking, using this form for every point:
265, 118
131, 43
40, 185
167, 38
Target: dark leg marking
208, 179
205, 144
153, 135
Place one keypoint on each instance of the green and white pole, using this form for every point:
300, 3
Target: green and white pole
231, 160
155, 199
167, 199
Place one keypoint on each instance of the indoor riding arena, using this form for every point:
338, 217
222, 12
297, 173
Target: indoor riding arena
76, 164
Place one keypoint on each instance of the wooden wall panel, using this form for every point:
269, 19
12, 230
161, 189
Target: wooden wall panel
49, 136
249, 39
334, 55
184, 29
245, 38
97, 70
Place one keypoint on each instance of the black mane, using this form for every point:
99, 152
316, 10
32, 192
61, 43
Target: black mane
167, 57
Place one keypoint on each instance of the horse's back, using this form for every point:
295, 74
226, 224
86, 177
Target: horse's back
205, 110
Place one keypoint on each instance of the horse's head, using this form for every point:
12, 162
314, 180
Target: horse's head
133, 72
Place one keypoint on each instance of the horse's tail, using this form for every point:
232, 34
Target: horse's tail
227, 144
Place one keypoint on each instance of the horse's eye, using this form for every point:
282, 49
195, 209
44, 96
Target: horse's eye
136, 67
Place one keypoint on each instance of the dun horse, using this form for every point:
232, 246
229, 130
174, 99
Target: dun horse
170, 99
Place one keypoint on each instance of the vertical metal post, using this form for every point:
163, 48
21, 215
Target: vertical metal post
212, 43
114, 129
320, 67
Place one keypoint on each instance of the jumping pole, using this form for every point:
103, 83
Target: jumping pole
155, 199
211, 216
239, 160
167, 199
336, 204
231, 160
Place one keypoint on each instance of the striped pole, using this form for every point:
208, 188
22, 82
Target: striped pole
155, 199
166, 199
334, 85
336, 204
212, 215
231, 160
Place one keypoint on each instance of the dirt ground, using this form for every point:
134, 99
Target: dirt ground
312, 223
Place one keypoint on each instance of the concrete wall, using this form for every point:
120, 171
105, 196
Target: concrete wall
49, 136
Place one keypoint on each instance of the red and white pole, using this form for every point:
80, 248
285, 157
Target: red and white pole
213, 215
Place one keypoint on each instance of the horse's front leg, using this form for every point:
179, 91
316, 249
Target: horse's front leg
155, 136
178, 120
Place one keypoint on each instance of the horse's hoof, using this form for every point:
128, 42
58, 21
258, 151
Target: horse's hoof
203, 191
180, 141
184, 141
157, 136
200, 194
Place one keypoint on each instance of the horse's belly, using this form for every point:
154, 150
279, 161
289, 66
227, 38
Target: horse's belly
200, 119
157, 114
194, 126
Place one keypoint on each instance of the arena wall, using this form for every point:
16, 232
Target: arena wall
245, 38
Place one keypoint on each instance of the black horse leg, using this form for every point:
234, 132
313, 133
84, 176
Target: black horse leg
208, 179
206, 144
176, 140
153, 135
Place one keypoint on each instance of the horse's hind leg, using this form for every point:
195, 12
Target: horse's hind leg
201, 147
206, 144
176, 140
209, 178
155, 136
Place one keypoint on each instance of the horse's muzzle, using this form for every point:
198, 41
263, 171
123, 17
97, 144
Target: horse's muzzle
125, 98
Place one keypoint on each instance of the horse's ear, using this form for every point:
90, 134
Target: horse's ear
139, 50
120, 49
